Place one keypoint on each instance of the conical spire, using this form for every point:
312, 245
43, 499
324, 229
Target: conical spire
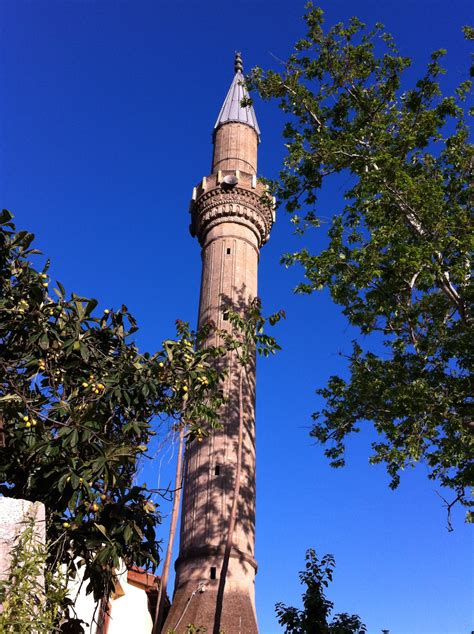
231, 110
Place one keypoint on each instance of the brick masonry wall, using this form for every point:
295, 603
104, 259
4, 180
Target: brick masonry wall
231, 224
235, 148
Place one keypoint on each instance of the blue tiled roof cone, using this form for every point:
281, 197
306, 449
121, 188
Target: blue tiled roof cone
232, 110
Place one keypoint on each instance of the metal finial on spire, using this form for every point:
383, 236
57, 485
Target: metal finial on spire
232, 109
238, 64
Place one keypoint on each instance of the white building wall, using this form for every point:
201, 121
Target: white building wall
128, 607
129, 612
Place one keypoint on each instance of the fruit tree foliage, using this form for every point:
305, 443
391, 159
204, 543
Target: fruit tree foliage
79, 404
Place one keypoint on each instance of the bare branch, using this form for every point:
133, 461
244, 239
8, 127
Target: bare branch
449, 506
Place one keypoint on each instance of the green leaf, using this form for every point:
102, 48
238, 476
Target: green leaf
84, 351
5, 216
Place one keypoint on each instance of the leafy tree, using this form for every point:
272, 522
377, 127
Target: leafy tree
313, 618
398, 254
77, 403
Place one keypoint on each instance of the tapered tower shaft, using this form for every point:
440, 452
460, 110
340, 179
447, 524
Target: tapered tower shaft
231, 224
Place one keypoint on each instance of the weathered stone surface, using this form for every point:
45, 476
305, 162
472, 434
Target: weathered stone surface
14, 518
198, 608
235, 148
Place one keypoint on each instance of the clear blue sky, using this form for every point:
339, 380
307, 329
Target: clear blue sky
107, 109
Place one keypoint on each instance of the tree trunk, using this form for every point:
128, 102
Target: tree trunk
160, 605
232, 519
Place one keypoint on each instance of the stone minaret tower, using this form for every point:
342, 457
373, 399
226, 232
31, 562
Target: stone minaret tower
231, 224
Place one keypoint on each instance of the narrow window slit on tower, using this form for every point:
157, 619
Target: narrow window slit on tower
217, 469
228, 251
213, 573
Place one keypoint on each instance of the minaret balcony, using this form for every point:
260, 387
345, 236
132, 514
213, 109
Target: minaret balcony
232, 196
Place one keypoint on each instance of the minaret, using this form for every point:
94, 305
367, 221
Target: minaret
231, 223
